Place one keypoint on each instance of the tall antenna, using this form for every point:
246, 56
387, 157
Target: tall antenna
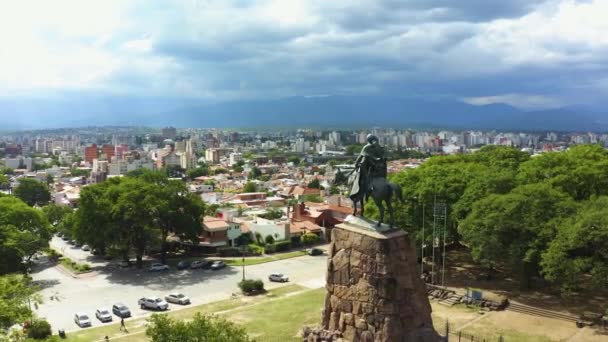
423, 241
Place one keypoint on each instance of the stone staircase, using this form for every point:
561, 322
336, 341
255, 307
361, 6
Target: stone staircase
530, 310
452, 300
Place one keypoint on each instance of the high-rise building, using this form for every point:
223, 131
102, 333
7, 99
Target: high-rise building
91, 153
109, 151
169, 132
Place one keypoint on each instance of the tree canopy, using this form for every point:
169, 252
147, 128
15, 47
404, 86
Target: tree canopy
162, 328
15, 291
24, 231
33, 192
137, 214
541, 214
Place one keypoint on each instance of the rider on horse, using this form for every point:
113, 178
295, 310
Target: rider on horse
371, 163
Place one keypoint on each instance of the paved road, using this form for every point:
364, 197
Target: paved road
64, 295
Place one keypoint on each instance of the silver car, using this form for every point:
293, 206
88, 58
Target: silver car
82, 320
103, 315
177, 298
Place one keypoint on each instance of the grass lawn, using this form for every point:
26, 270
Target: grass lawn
137, 328
256, 261
282, 319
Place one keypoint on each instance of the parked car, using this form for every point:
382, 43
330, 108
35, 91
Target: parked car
71, 242
86, 248
218, 265
204, 264
278, 277
153, 303
82, 320
177, 298
182, 265
103, 315
158, 267
124, 264
121, 310
59, 234
77, 244
314, 251
65, 238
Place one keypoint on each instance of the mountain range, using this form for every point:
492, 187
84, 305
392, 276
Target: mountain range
319, 111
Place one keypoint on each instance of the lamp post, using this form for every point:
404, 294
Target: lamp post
243, 260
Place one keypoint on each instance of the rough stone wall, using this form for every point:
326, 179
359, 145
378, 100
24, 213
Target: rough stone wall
373, 290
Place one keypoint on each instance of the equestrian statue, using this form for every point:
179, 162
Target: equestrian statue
369, 179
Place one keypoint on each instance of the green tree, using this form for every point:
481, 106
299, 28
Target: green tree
76, 172
250, 187
33, 192
6, 171
269, 239
314, 184
516, 227
352, 150
162, 328
294, 159
237, 168
24, 231
56, 213
309, 239
202, 170
4, 182
16, 293
580, 248
255, 173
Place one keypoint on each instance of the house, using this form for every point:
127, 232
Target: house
278, 229
218, 232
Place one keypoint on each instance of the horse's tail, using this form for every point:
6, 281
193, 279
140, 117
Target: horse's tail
397, 190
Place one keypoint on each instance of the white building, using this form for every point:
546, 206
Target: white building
235, 158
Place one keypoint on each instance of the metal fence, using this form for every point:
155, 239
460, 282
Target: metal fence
449, 331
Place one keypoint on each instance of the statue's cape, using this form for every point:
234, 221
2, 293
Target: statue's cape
354, 181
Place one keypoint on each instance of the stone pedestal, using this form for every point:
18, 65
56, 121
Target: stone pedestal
374, 293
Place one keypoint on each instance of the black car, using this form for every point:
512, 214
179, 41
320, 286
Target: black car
121, 310
183, 265
314, 251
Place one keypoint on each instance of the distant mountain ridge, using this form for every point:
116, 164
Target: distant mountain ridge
328, 111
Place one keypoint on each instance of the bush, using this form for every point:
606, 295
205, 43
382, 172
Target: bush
39, 330
310, 239
250, 286
269, 249
269, 239
229, 252
74, 266
282, 246
256, 250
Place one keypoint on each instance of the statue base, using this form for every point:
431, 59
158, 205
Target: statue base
374, 292
368, 224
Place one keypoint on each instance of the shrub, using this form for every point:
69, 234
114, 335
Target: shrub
309, 239
269, 239
269, 249
229, 251
256, 250
39, 330
250, 286
282, 246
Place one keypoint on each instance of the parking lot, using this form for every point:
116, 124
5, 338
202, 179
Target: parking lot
64, 295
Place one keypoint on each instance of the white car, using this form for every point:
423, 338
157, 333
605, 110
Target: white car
103, 315
86, 248
82, 320
278, 277
153, 303
177, 298
158, 267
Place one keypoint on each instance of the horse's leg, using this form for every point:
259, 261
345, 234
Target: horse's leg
380, 208
389, 206
362, 208
355, 207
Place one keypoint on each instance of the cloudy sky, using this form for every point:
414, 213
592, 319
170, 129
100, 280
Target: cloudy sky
527, 53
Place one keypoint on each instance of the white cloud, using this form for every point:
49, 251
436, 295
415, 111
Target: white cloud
523, 101
231, 48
